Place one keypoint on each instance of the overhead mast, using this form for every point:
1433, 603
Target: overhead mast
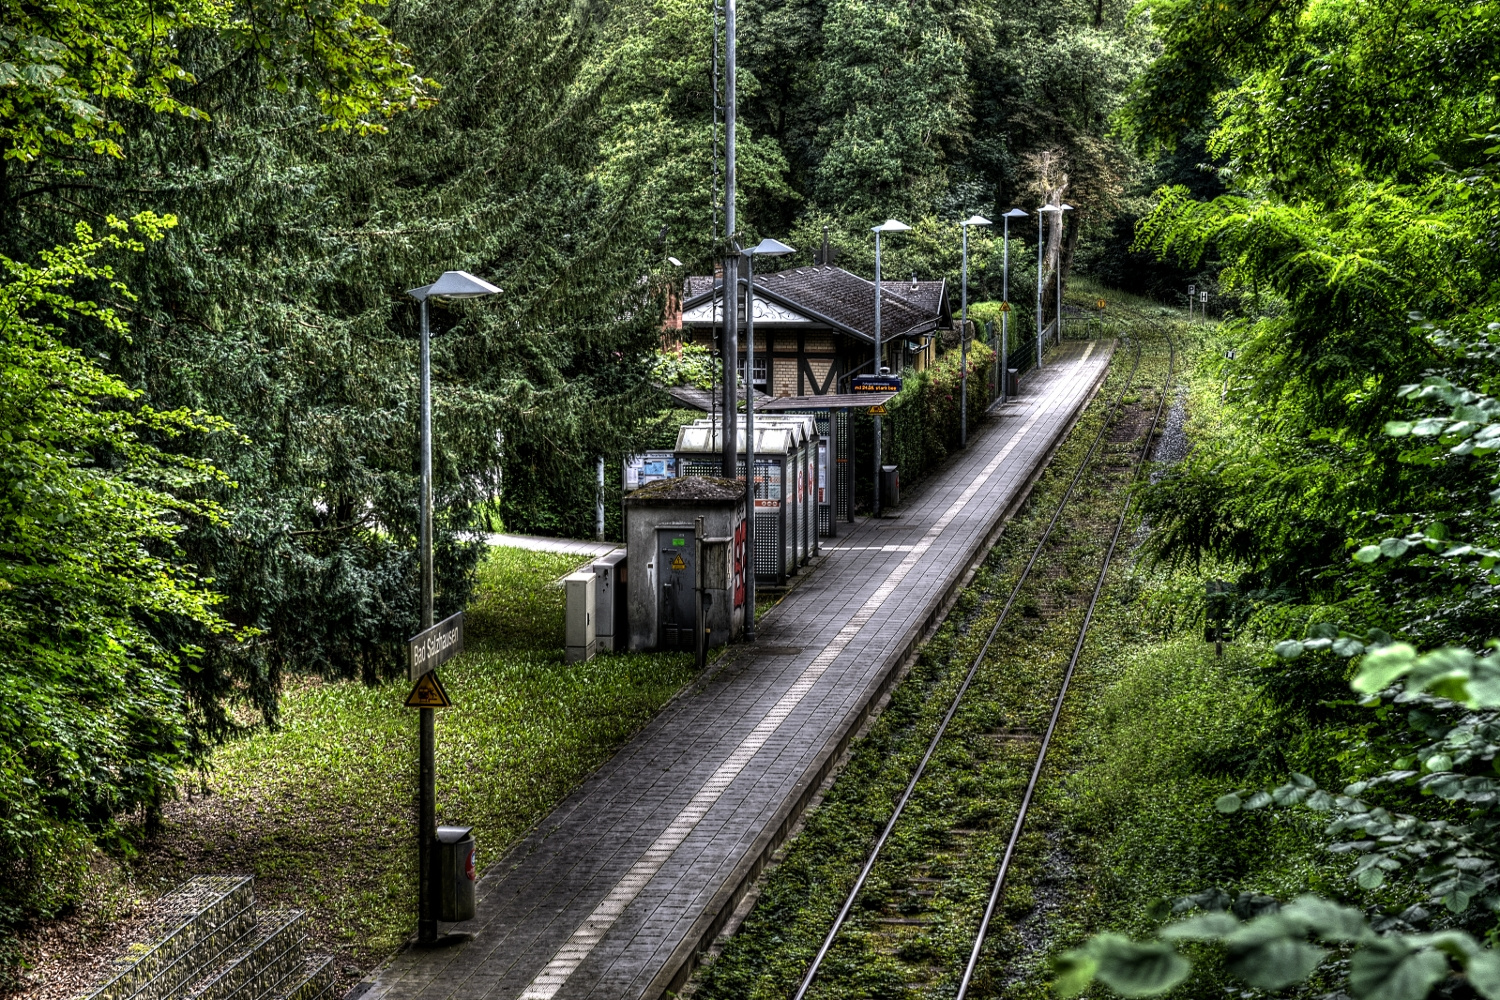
730, 295
713, 231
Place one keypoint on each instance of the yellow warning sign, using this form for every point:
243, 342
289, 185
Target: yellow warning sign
428, 693
1005, 307
1100, 303
677, 563
878, 411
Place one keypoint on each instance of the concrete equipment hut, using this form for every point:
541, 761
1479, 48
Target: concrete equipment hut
666, 548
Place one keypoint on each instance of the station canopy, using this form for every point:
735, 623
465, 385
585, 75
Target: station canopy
830, 401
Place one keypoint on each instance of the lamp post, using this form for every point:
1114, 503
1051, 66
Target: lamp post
1041, 240
963, 335
888, 226
769, 248
450, 285
1015, 213
1065, 208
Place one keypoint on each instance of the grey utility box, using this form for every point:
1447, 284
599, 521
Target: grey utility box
609, 602
456, 874
582, 623
674, 565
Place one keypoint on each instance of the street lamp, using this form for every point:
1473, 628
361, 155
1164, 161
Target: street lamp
1015, 213
1041, 240
769, 248
450, 285
963, 335
888, 226
1065, 208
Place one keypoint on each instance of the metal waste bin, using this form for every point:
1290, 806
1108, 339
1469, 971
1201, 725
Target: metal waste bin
455, 873
890, 486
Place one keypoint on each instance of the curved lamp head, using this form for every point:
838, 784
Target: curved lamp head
1016, 213
890, 226
1066, 207
455, 285
976, 220
1048, 209
674, 262
769, 248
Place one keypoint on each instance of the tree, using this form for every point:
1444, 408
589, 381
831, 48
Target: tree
893, 107
101, 612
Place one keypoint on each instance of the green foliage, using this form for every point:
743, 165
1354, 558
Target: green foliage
102, 615
1445, 751
924, 416
1271, 951
657, 108
689, 364
68, 68
892, 99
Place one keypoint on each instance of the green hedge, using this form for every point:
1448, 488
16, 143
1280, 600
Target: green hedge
924, 416
1021, 327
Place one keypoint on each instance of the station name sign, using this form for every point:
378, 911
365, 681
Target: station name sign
437, 645
875, 383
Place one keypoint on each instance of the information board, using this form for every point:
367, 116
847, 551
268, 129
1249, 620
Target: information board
649, 467
875, 383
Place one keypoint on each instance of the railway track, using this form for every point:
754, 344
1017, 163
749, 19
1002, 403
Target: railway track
1017, 737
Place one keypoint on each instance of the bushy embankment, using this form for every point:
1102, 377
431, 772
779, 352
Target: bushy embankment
321, 809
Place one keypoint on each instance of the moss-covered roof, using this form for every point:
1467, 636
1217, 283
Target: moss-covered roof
689, 489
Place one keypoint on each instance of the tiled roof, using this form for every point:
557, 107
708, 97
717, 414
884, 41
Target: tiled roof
845, 300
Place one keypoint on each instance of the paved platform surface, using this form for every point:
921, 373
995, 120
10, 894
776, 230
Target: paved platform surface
568, 546
616, 891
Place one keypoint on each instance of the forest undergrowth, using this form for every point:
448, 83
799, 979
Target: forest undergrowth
319, 808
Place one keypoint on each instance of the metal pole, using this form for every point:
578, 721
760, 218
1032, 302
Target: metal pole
731, 289
700, 620
963, 351
1041, 233
1005, 313
599, 503
426, 780
878, 418
749, 446
1059, 276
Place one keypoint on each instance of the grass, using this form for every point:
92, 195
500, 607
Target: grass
321, 810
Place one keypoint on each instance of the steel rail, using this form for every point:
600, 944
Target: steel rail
890, 825
1041, 757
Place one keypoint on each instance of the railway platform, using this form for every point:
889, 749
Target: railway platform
615, 893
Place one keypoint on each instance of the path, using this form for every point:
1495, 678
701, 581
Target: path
615, 892
567, 546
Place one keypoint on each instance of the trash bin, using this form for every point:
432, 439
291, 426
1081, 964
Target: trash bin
455, 873
1012, 383
890, 486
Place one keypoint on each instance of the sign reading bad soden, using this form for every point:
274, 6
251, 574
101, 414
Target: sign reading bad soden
436, 646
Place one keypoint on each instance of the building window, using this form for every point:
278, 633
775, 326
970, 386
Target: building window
761, 368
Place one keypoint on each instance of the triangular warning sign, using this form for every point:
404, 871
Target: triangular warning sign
677, 563
428, 693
